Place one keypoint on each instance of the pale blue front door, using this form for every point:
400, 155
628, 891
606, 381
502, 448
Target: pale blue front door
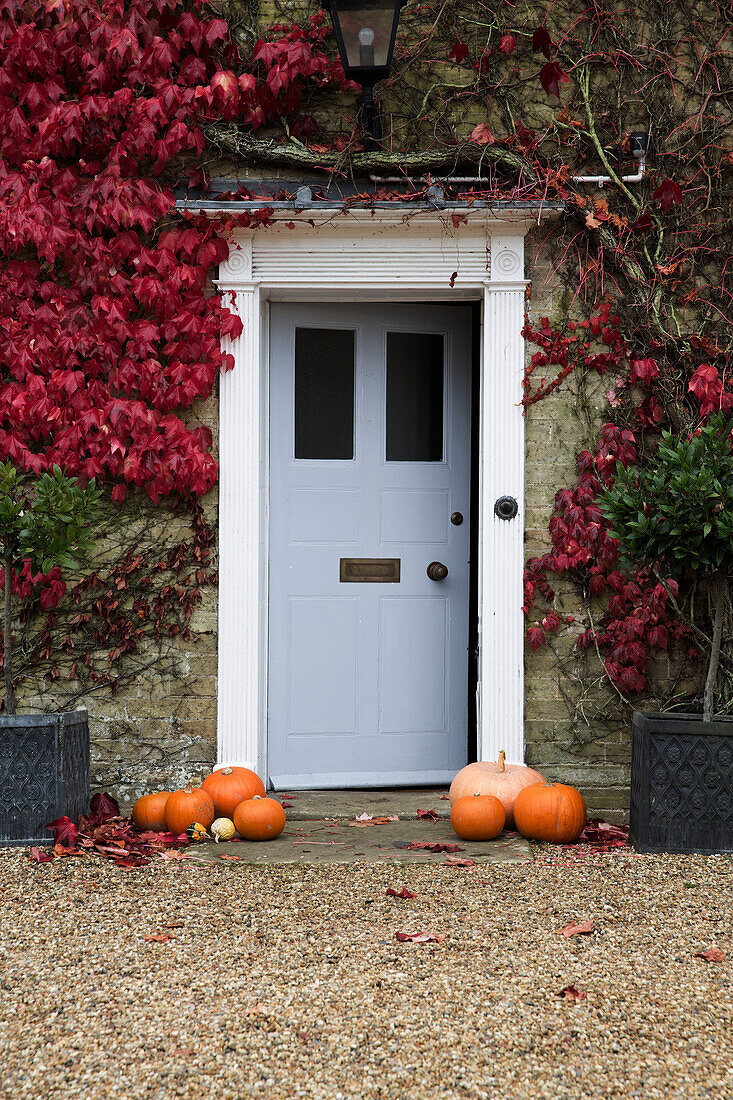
369, 460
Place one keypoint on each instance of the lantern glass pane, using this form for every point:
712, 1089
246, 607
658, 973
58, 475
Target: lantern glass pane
366, 26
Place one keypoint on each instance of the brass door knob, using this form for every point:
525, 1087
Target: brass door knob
437, 571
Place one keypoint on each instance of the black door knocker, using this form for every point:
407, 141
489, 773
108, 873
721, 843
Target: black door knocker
506, 508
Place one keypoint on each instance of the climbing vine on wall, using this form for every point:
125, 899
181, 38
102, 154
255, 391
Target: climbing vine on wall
107, 334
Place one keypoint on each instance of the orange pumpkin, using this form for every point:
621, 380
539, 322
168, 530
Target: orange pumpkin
550, 811
477, 817
148, 813
230, 786
496, 777
187, 807
259, 818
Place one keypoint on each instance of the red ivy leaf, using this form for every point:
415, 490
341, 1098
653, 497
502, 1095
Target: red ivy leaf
573, 929
420, 937
429, 815
541, 41
508, 44
712, 955
40, 855
482, 135
551, 77
430, 846
64, 831
643, 371
667, 194
642, 223
459, 52
403, 893
103, 807
570, 993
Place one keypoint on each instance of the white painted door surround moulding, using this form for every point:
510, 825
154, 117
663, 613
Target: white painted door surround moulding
356, 257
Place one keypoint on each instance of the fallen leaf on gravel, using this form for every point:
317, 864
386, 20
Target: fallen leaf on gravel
712, 955
159, 937
133, 860
456, 861
570, 993
403, 893
598, 837
428, 815
62, 850
113, 850
432, 846
40, 855
174, 924
185, 1052
64, 831
445, 798
229, 857
420, 937
174, 854
573, 929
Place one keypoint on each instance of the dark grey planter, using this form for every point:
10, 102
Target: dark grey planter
44, 773
681, 783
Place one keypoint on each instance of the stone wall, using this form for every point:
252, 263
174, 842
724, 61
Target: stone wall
575, 731
159, 731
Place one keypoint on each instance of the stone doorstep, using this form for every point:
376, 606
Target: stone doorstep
318, 832
335, 805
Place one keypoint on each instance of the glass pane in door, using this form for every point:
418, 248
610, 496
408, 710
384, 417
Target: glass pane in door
324, 393
414, 397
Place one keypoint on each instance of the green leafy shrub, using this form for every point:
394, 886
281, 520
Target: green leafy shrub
676, 511
44, 524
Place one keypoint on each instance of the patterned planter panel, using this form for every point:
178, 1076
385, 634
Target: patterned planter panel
44, 773
681, 784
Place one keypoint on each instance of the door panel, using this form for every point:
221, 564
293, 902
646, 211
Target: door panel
369, 456
412, 664
315, 708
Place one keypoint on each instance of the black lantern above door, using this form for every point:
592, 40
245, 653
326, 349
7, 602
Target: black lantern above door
365, 33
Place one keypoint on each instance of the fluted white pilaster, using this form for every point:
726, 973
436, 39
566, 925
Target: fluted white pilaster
241, 664
501, 557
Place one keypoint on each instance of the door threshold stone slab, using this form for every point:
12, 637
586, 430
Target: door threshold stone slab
321, 841
333, 805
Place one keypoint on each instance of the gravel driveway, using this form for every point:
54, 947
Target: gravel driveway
287, 981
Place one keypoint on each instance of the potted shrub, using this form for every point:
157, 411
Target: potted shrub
674, 513
44, 758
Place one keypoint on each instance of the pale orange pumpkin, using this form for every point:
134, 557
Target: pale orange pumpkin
477, 817
187, 807
496, 777
550, 811
230, 786
148, 813
259, 818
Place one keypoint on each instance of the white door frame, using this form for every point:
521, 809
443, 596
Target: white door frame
371, 256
